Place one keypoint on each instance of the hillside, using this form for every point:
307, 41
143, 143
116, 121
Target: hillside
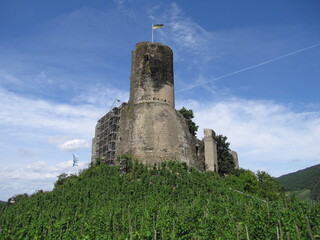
302, 181
2, 202
171, 201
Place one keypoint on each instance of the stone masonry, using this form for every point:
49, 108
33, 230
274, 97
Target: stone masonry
210, 150
148, 126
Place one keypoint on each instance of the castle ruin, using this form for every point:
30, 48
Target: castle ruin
148, 126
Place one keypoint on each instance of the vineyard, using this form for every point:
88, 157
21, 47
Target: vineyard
170, 201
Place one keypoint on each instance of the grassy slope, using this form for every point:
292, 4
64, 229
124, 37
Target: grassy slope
169, 202
306, 179
304, 194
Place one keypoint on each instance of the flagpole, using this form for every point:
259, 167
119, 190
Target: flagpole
152, 32
155, 26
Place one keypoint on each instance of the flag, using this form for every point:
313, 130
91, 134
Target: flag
75, 160
156, 26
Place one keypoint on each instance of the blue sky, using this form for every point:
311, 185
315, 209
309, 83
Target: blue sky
250, 70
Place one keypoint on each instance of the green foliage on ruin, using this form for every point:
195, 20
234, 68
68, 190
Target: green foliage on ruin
166, 201
225, 159
188, 115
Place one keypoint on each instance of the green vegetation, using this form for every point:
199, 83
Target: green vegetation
2, 202
225, 159
169, 201
304, 194
306, 179
188, 115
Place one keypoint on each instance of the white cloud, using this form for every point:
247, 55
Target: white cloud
101, 96
183, 34
18, 111
34, 176
40, 170
36, 166
68, 145
264, 133
74, 144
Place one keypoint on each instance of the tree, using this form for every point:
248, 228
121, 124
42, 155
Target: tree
225, 159
61, 179
64, 178
188, 115
270, 188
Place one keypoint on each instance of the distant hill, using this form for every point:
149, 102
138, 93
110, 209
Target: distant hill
170, 201
303, 180
2, 202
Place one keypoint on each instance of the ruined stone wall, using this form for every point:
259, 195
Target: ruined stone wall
235, 159
210, 149
191, 148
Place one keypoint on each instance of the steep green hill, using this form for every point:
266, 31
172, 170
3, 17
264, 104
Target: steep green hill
171, 201
306, 179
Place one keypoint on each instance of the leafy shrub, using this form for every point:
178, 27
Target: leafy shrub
188, 115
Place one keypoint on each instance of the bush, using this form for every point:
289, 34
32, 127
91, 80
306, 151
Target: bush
225, 159
188, 115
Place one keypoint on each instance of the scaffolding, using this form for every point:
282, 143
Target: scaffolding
106, 135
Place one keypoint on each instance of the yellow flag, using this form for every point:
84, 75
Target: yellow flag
156, 26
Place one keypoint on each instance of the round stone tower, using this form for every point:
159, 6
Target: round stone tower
152, 74
150, 128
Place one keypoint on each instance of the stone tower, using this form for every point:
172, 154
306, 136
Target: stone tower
148, 126
151, 129
152, 74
